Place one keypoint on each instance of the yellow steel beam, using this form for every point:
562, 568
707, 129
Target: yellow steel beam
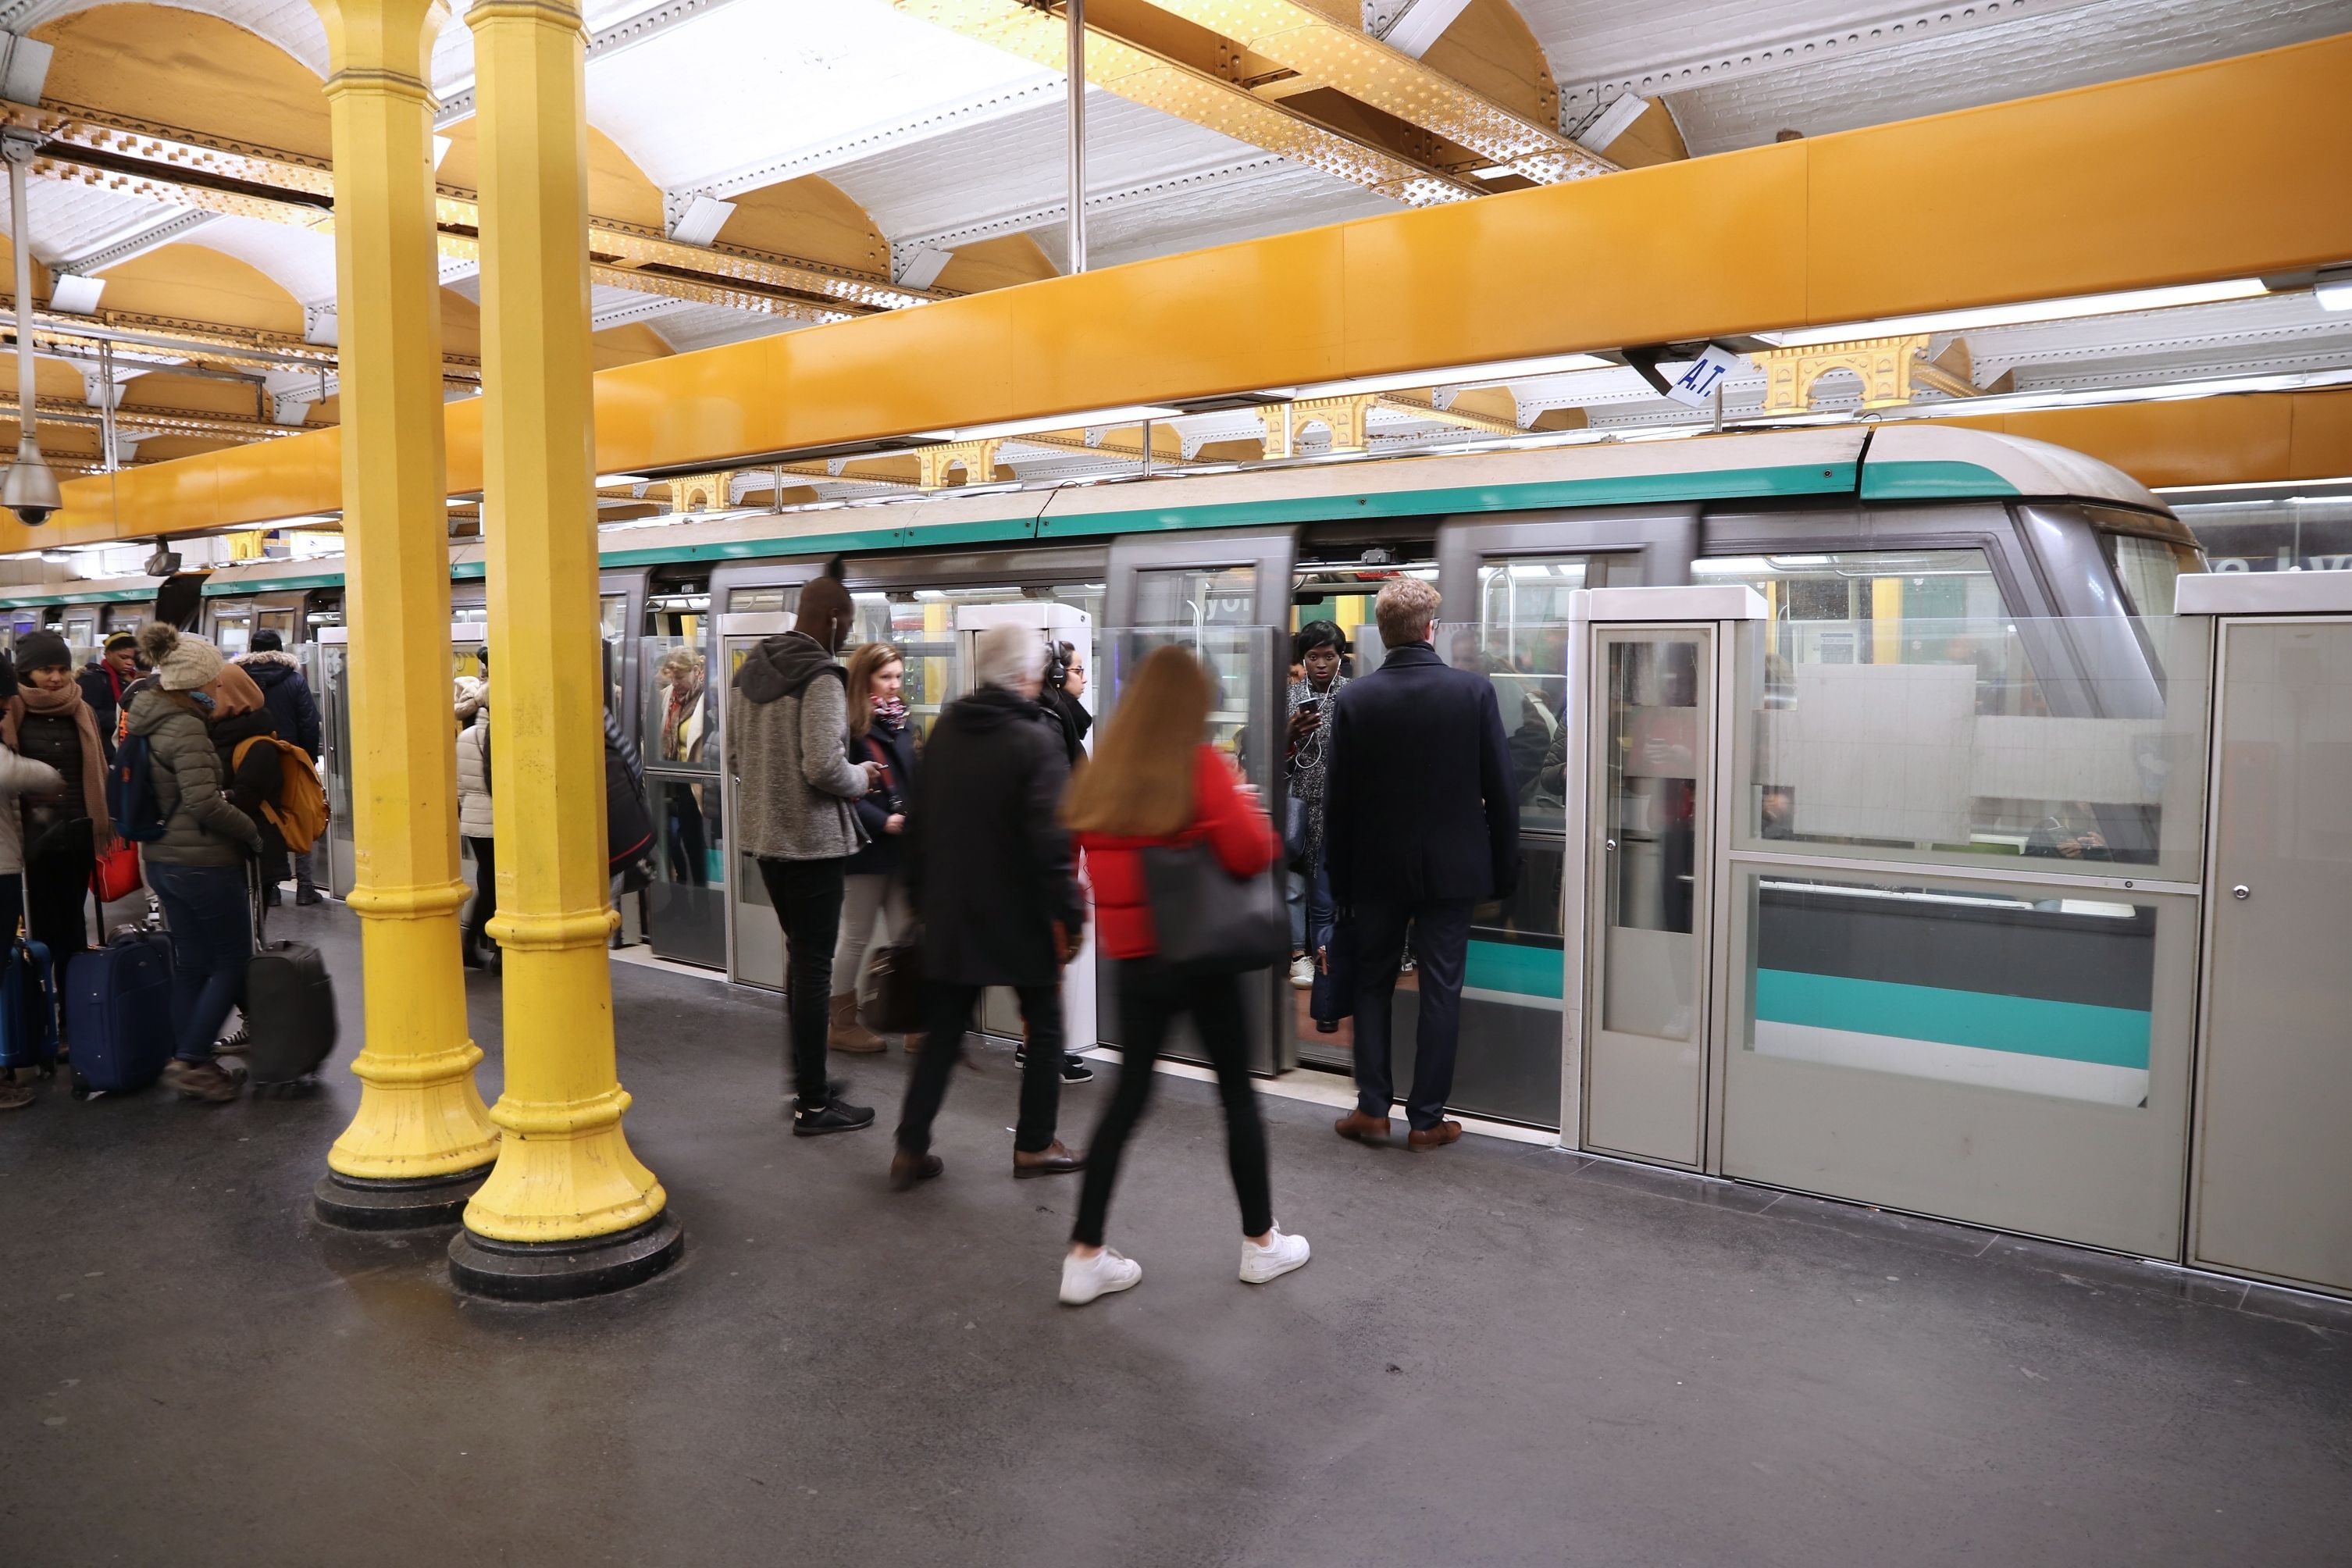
1173, 86
2109, 188
1327, 49
177, 167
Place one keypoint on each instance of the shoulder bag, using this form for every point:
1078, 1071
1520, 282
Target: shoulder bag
1206, 919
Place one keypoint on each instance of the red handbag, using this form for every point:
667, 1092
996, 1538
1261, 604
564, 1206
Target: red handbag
116, 873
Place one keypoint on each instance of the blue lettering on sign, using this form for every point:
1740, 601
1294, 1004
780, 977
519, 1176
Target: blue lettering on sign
1700, 378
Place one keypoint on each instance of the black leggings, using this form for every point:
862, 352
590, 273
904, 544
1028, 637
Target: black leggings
56, 878
1150, 998
485, 891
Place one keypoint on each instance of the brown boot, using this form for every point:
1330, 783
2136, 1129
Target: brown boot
847, 1034
1362, 1128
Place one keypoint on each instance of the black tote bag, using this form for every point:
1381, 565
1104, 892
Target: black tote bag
1208, 920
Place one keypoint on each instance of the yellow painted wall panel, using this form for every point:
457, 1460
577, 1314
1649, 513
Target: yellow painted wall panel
2215, 171
1712, 245
2209, 440
2322, 445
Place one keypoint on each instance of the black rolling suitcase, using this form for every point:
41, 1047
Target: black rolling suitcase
289, 1009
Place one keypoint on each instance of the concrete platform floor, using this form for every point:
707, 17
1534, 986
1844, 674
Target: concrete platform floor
1500, 1354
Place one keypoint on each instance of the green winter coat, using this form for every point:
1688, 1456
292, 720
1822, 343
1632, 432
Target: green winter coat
200, 827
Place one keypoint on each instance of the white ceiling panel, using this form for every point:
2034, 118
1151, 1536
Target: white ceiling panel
2046, 50
798, 77
298, 260
71, 219
292, 24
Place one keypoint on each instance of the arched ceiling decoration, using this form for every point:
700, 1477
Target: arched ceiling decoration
879, 153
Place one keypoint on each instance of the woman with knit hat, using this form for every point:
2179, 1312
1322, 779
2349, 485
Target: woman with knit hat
48, 721
197, 868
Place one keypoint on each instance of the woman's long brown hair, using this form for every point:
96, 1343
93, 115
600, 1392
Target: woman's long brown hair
870, 660
1140, 783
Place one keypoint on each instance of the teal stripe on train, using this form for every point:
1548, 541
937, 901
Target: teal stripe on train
2029, 1026
1509, 967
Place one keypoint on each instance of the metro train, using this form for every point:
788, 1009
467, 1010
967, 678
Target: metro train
1856, 539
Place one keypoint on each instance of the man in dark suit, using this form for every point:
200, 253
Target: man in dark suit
1422, 824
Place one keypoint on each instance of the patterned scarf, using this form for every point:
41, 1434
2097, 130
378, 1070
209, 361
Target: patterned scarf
891, 710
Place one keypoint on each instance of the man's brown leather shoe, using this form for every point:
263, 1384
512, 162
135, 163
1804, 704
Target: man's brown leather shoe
1436, 1137
907, 1169
1053, 1160
1362, 1127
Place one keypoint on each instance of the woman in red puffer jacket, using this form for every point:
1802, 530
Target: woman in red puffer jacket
1155, 781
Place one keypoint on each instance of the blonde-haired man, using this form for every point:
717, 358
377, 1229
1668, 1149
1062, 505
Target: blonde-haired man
1421, 824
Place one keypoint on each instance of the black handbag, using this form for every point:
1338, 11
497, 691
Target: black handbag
1208, 920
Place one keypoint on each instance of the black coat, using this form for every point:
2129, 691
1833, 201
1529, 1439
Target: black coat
1420, 801
287, 694
1071, 718
892, 745
98, 690
986, 864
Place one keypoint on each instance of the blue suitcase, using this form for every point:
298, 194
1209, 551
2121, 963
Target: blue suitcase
29, 1010
118, 1012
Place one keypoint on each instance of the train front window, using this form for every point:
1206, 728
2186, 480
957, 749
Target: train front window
2147, 568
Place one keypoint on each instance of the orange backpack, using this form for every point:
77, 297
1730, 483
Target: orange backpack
299, 812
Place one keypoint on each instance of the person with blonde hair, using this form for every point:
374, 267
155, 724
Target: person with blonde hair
874, 895
1421, 826
1156, 781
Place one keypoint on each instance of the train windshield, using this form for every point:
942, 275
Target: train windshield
2147, 568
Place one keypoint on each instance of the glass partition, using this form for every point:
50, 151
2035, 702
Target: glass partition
686, 905
328, 676
1196, 597
2076, 742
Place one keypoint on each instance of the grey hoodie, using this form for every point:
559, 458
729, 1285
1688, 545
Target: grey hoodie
788, 734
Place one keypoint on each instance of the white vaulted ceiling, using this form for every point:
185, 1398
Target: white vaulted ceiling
947, 145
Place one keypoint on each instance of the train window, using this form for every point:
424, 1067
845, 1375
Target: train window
278, 621
1196, 596
1519, 641
762, 601
2147, 569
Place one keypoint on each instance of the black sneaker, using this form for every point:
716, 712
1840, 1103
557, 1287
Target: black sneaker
1075, 1070
235, 1045
834, 1115
309, 896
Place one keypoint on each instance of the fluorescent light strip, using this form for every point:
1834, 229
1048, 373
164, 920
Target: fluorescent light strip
2023, 315
2251, 485
1133, 415
1453, 375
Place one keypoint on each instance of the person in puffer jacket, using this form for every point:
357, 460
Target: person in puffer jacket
18, 775
788, 719
476, 826
197, 869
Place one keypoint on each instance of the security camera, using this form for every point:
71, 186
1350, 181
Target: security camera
164, 562
32, 514
30, 489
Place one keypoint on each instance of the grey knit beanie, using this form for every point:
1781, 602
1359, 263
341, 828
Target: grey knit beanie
183, 662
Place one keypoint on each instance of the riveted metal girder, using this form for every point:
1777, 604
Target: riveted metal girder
1156, 81
176, 167
1326, 49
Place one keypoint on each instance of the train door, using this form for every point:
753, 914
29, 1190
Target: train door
279, 613
2275, 1099
679, 718
1508, 589
329, 670
1227, 596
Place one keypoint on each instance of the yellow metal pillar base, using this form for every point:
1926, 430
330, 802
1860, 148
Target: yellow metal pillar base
568, 1211
421, 1140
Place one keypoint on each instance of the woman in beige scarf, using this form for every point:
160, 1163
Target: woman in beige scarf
47, 721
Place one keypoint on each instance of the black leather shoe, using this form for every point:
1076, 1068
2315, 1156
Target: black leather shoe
833, 1116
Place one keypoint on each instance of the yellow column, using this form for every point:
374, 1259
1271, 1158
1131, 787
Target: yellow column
569, 1210
422, 1140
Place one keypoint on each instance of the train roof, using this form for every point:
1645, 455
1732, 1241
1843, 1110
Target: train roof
1891, 463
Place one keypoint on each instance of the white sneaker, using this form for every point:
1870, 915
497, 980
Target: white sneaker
1302, 973
1278, 1257
1084, 1278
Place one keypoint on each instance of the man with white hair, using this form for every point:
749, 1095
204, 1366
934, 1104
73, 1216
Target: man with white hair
988, 871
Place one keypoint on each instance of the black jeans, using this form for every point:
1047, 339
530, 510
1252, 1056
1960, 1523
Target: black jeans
486, 893
947, 1014
57, 881
807, 897
1150, 998
1440, 941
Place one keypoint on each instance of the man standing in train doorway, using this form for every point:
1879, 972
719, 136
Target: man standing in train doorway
789, 714
1422, 825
